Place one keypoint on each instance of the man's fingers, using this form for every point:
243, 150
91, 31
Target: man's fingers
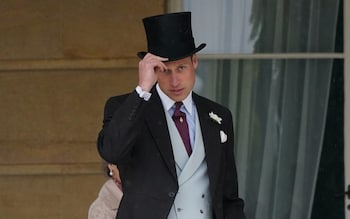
151, 56
156, 62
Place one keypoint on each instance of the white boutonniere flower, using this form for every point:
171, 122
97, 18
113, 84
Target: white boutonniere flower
223, 136
215, 117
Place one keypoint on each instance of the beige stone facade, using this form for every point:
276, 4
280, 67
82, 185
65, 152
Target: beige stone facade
59, 62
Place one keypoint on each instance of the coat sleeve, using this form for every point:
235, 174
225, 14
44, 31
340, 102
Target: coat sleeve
121, 125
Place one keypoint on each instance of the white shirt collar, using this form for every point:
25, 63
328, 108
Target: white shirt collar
168, 103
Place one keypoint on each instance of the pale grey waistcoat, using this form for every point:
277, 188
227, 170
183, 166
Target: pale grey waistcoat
193, 200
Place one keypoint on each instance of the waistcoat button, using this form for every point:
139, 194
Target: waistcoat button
171, 194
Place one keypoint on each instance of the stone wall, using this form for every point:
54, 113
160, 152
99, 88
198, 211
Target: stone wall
59, 62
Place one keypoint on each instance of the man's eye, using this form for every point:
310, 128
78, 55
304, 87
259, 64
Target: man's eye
180, 68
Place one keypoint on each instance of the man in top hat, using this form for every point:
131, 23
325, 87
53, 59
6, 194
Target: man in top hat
174, 148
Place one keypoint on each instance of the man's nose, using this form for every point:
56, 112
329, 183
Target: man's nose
174, 80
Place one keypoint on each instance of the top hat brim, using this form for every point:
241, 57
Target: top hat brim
142, 54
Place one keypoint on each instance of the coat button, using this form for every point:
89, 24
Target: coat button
171, 194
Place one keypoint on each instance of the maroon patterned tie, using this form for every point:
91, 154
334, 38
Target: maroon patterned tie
182, 126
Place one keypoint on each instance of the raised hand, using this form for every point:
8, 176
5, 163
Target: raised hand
148, 68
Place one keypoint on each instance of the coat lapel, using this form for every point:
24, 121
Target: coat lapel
158, 127
211, 140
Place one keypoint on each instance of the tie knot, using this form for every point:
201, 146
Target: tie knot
178, 106
177, 112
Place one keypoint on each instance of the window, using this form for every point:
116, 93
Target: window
271, 63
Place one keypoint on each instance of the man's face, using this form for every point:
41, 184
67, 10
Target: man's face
178, 81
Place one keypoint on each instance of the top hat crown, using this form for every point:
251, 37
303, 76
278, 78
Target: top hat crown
170, 36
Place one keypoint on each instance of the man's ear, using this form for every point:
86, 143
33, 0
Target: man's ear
195, 61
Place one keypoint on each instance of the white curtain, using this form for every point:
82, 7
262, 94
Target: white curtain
216, 22
279, 106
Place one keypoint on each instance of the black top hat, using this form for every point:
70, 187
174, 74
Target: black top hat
170, 36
